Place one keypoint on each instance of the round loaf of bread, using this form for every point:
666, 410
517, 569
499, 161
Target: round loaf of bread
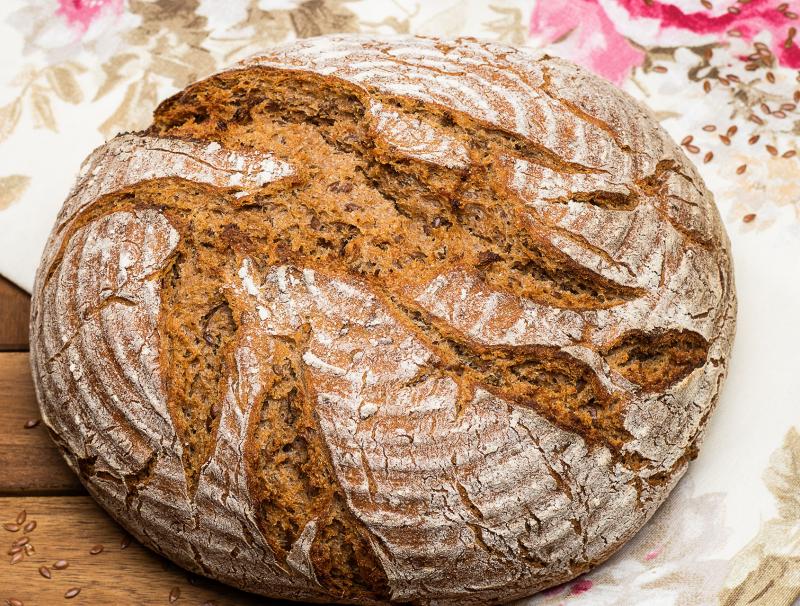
399, 320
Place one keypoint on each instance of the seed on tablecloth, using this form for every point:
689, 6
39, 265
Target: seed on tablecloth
687, 139
174, 594
796, 96
765, 108
732, 130
749, 217
60, 564
790, 15
709, 128
754, 139
788, 107
771, 77
772, 150
693, 149
706, 4
11, 527
45, 572
660, 69
707, 86
734, 10
21, 517
96, 549
708, 157
30, 526
789, 154
725, 139
31, 423
740, 169
779, 114
782, 7
125, 542
17, 557
72, 592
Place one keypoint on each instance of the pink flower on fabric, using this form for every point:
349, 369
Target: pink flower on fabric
81, 13
582, 31
603, 35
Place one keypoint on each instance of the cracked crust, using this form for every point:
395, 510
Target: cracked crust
402, 320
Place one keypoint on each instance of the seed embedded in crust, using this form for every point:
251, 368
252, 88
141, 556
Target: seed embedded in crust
60, 564
72, 592
174, 594
45, 572
96, 549
31, 423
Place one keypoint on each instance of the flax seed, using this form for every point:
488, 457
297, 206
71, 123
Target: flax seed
45, 572
708, 157
749, 218
687, 139
709, 128
789, 154
60, 565
707, 86
174, 594
31, 423
754, 139
30, 526
741, 169
96, 550
772, 150
11, 527
71, 593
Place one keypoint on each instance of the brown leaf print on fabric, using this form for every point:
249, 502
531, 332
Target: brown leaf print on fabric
767, 571
12, 188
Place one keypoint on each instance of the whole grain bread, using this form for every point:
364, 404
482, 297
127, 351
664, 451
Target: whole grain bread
398, 320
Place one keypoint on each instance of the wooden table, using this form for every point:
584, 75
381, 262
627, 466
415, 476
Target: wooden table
36, 484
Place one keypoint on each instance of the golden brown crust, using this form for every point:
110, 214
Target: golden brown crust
402, 320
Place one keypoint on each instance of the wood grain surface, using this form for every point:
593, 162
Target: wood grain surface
29, 461
14, 310
68, 528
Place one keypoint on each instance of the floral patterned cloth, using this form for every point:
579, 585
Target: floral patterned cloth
722, 76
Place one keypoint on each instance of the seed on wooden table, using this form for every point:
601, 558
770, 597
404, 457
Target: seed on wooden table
707, 86
17, 557
29, 550
693, 149
21, 541
14, 550
772, 149
10, 527
96, 549
72, 592
45, 572
21, 517
740, 169
174, 594
748, 218
125, 542
60, 564
687, 139
31, 423
708, 157
789, 154
30, 526
754, 139
709, 128
14, 602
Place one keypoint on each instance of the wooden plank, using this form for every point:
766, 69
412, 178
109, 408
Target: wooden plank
29, 461
68, 528
15, 305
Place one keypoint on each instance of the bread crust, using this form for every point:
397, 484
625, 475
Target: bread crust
463, 490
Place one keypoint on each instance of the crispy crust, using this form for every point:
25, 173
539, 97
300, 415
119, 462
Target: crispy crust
400, 320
